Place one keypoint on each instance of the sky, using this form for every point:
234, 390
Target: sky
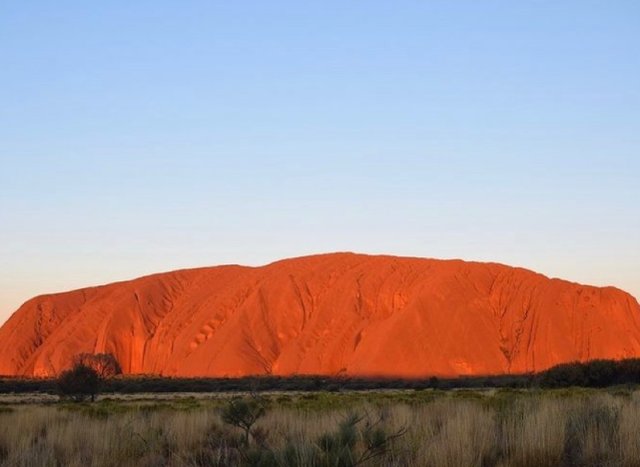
146, 136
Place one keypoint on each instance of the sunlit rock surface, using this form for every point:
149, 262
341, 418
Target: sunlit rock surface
334, 314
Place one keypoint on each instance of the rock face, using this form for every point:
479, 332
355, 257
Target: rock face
328, 314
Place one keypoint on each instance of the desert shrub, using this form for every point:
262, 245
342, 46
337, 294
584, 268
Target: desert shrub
565, 375
601, 373
244, 413
595, 373
358, 440
87, 377
21, 385
79, 383
629, 371
338, 447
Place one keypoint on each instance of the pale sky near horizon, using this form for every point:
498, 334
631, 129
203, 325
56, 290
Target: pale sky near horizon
139, 137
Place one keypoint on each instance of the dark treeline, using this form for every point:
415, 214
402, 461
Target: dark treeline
596, 373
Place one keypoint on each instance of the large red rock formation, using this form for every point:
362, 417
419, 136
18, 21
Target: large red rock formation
328, 314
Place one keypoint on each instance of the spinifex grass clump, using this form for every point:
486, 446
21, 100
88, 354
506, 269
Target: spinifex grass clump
357, 440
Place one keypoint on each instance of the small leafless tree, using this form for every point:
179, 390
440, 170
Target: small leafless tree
105, 364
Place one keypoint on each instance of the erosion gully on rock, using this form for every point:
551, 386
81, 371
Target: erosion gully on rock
334, 314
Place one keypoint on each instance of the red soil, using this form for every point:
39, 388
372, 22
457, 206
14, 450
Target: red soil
329, 314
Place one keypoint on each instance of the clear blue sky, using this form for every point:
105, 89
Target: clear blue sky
143, 136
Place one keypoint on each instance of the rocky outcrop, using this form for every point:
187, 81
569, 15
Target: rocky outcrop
329, 314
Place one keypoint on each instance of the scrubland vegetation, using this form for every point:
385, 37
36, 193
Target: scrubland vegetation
526, 427
596, 373
571, 415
